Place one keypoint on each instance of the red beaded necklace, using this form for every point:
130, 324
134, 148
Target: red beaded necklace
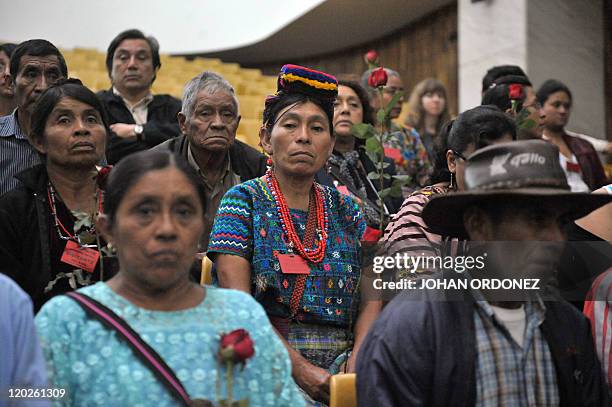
59, 226
316, 254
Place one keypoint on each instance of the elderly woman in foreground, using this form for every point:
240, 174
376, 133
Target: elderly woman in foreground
294, 244
150, 336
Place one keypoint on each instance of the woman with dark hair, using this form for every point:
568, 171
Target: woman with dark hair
49, 243
294, 244
7, 95
470, 131
428, 112
511, 88
349, 164
578, 158
150, 336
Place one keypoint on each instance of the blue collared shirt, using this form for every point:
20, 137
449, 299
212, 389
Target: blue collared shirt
22, 363
16, 152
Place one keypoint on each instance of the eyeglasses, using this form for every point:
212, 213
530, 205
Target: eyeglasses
536, 105
391, 90
459, 155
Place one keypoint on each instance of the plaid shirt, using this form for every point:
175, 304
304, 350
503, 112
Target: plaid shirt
16, 152
506, 373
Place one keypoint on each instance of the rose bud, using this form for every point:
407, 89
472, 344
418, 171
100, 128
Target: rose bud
378, 77
236, 346
514, 91
102, 176
371, 57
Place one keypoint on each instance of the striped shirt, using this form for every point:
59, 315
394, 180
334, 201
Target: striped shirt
16, 152
408, 233
598, 308
508, 374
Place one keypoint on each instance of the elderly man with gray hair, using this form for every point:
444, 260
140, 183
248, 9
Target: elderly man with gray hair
208, 121
394, 84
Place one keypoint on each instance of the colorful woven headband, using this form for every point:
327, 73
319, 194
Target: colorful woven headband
298, 79
295, 79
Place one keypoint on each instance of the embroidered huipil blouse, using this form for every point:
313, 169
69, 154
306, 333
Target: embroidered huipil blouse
247, 225
97, 368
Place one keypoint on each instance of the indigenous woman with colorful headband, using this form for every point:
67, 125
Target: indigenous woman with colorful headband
294, 244
49, 243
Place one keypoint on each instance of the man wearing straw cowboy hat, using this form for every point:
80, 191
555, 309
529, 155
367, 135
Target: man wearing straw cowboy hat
478, 350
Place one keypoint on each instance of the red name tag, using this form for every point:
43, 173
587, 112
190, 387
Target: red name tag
293, 264
81, 257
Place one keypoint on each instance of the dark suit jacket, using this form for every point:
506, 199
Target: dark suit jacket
421, 351
247, 162
162, 124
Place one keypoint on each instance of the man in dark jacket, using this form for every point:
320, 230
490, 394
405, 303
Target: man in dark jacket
139, 120
474, 346
208, 120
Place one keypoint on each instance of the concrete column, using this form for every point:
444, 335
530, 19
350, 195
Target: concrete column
566, 42
561, 39
490, 32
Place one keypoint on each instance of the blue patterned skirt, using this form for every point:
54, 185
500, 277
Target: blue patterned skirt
325, 346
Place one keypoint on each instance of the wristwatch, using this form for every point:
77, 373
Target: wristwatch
138, 129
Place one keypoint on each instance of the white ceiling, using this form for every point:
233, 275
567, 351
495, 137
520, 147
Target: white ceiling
333, 25
244, 31
181, 26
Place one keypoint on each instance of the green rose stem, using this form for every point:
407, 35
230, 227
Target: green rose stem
229, 376
218, 385
381, 162
93, 219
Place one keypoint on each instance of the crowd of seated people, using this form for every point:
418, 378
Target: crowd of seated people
99, 264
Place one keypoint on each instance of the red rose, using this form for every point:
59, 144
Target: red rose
378, 77
236, 346
515, 91
371, 57
102, 176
